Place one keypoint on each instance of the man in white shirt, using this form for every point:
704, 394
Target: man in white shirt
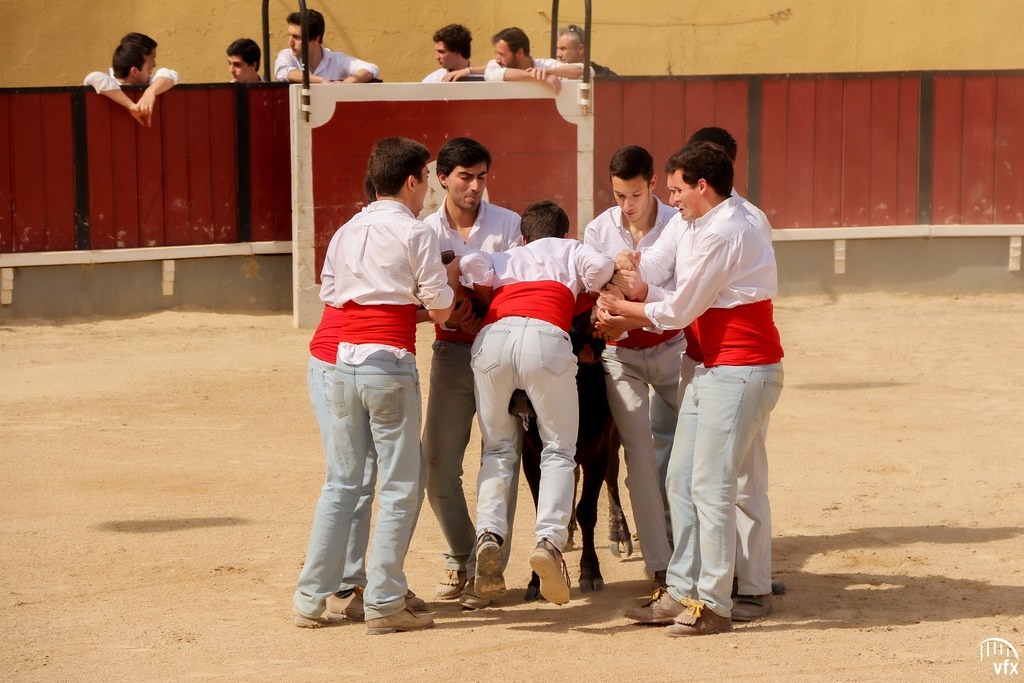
725, 278
244, 61
382, 265
524, 344
325, 66
512, 62
641, 370
452, 47
463, 222
753, 508
134, 64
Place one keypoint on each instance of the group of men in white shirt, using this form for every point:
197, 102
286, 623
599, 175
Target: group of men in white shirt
696, 462
134, 62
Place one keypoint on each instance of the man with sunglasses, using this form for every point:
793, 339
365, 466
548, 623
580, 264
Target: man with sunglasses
569, 50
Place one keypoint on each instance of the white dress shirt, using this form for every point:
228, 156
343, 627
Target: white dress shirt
495, 72
721, 260
495, 229
105, 82
335, 66
551, 259
383, 255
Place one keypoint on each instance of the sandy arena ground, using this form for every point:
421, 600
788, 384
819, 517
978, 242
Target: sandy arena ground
159, 477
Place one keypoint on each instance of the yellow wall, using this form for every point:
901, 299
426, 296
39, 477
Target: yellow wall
56, 42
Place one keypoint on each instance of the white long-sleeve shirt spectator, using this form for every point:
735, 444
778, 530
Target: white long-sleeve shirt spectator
577, 266
383, 255
105, 82
335, 66
721, 260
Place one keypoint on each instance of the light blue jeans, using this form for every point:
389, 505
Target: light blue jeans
376, 406
724, 409
354, 573
451, 405
643, 395
533, 355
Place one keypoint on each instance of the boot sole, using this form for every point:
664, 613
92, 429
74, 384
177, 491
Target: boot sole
490, 583
552, 584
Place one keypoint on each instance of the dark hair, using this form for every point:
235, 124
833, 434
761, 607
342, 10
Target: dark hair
127, 55
719, 136
574, 30
247, 49
705, 160
315, 20
515, 38
632, 161
368, 189
140, 39
392, 161
456, 38
465, 152
544, 219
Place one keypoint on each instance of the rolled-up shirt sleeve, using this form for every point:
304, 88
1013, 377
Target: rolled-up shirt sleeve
494, 71
101, 82
164, 72
476, 268
355, 64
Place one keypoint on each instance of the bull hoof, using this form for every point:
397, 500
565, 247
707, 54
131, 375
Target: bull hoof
532, 593
591, 585
778, 588
621, 548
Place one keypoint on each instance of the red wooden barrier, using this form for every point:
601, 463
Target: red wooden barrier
533, 150
37, 189
819, 151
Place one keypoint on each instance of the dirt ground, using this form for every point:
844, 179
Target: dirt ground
159, 476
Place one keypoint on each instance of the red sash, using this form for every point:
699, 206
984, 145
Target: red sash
388, 324
547, 300
324, 344
744, 335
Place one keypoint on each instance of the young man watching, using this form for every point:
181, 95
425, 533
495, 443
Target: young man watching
325, 65
725, 278
464, 221
244, 61
134, 64
452, 47
641, 370
386, 263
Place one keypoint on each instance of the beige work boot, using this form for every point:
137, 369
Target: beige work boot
406, 620
546, 560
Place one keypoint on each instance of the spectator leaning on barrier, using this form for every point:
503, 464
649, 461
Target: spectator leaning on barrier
134, 64
512, 62
325, 65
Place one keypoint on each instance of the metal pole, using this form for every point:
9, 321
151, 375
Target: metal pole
554, 29
267, 76
305, 60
